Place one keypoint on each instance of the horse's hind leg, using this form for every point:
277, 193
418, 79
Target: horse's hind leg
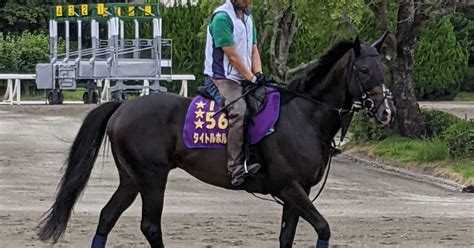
152, 193
120, 201
296, 196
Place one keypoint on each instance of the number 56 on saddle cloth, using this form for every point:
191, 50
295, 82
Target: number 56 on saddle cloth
202, 130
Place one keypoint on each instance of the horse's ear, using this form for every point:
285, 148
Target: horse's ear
357, 46
378, 44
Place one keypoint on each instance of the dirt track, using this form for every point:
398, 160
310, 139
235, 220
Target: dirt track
461, 109
364, 207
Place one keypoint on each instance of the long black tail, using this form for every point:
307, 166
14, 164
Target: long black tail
81, 159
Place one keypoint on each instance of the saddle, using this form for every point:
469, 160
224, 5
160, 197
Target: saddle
256, 99
204, 127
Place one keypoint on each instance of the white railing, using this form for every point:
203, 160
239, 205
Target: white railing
14, 86
146, 86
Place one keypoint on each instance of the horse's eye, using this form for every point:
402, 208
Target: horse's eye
364, 70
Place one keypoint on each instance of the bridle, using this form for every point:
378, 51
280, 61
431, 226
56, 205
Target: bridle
366, 101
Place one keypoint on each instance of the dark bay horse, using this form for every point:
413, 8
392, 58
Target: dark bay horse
146, 142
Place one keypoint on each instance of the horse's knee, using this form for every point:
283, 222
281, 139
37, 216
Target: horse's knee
148, 227
152, 231
323, 230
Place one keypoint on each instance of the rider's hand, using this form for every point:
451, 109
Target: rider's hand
258, 78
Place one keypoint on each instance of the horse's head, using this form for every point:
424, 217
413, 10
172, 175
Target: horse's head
365, 81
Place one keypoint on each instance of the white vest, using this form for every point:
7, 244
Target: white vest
217, 64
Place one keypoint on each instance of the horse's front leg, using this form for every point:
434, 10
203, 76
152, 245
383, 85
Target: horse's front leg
289, 221
297, 198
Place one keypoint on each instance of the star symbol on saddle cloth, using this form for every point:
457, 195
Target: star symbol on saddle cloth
198, 123
200, 104
199, 113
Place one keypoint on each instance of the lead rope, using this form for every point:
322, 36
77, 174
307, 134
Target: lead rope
325, 177
317, 195
270, 200
332, 153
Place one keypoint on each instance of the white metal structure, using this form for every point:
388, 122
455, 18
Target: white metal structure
114, 59
14, 86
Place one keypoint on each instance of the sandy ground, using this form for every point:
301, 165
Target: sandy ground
462, 109
365, 207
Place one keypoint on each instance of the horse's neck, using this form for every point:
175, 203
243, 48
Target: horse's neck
332, 92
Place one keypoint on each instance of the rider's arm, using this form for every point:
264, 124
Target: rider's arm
235, 60
256, 63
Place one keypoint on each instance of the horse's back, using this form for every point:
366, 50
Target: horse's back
151, 116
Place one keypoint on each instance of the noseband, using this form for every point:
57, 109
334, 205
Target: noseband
367, 102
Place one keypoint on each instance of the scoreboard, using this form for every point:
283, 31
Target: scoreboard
105, 11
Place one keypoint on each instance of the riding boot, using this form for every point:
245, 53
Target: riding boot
231, 90
241, 172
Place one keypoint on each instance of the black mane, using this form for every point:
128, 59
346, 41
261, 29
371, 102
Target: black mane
315, 74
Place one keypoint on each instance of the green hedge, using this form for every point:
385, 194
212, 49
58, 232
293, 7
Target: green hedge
365, 128
457, 134
460, 139
21, 53
440, 62
468, 83
436, 122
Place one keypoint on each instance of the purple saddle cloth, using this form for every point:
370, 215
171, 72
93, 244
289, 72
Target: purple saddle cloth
202, 130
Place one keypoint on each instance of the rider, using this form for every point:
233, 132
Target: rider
232, 57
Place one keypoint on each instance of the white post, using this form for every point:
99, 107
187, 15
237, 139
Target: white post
94, 37
105, 90
122, 35
18, 91
13, 92
79, 38
184, 88
136, 41
157, 25
146, 87
53, 51
53, 38
67, 40
10, 91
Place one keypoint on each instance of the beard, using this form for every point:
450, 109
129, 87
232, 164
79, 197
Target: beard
238, 6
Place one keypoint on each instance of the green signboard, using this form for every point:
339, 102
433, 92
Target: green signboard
104, 11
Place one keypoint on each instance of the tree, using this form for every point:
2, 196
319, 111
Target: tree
410, 18
289, 31
441, 61
19, 16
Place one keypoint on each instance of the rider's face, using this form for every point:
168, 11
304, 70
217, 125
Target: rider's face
243, 4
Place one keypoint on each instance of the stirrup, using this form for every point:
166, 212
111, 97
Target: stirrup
253, 170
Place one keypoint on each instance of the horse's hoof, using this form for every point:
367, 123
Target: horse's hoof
322, 243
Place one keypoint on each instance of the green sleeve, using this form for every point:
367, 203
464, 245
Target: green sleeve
254, 31
221, 30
